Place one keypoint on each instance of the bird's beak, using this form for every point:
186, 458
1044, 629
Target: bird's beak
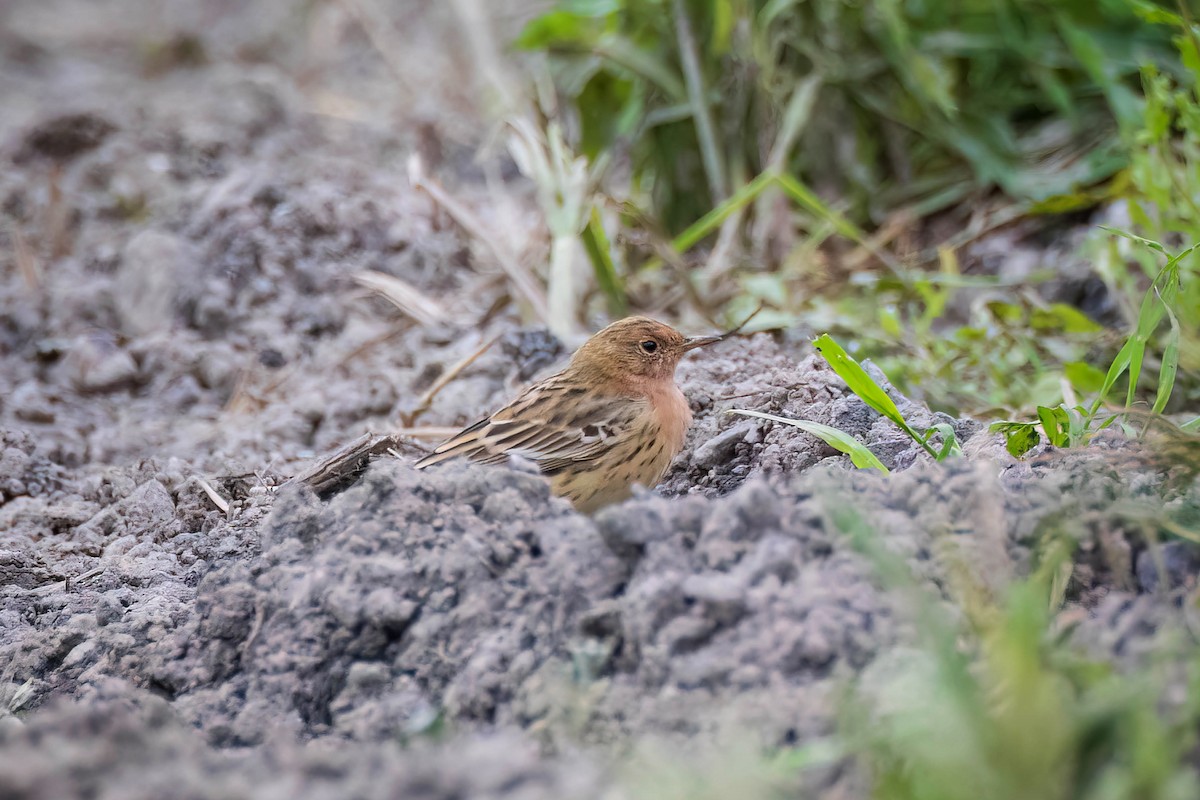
700, 341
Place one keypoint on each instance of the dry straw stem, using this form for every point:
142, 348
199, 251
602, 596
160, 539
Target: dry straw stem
522, 280
246, 398
57, 227
382, 35
410, 417
404, 296
27, 262
479, 30
220, 502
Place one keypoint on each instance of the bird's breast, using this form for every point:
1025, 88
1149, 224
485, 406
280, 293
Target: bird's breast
673, 416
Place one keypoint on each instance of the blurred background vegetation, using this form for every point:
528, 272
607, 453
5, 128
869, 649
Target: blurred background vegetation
849, 164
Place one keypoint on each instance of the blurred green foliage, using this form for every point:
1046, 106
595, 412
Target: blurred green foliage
867, 108
994, 702
883, 104
1164, 207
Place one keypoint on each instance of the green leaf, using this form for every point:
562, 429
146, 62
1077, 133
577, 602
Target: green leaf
1060, 316
1083, 376
1170, 365
862, 385
839, 440
722, 28
1010, 313
1019, 437
1056, 425
609, 107
857, 378
1117, 368
558, 29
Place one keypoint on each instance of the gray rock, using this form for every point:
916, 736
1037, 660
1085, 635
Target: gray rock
147, 281
1179, 562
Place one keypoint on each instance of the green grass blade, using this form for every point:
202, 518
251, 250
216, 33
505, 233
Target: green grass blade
950, 445
1155, 304
693, 76
1170, 365
1146, 242
1137, 355
1117, 369
806, 198
862, 385
857, 378
839, 440
623, 53
713, 219
595, 242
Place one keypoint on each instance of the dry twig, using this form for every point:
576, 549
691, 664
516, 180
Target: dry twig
409, 418
345, 465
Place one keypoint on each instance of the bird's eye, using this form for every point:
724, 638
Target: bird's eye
649, 345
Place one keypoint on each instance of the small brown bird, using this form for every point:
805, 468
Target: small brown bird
613, 418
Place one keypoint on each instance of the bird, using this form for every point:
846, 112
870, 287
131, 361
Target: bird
612, 419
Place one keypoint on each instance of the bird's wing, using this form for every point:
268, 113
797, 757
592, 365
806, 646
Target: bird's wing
552, 424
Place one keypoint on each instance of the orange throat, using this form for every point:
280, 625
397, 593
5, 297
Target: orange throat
671, 409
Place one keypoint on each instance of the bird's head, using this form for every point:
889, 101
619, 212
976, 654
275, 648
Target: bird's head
637, 350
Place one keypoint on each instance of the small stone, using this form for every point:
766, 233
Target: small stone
720, 449
1180, 562
30, 404
147, 280
79, 654
97, 364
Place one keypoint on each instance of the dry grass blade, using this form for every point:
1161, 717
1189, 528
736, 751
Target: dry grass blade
897, 223
57, 225
26, 260
369, 345
382, 34
522, 280
403, 295
479, 32
410, 417
220, 502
